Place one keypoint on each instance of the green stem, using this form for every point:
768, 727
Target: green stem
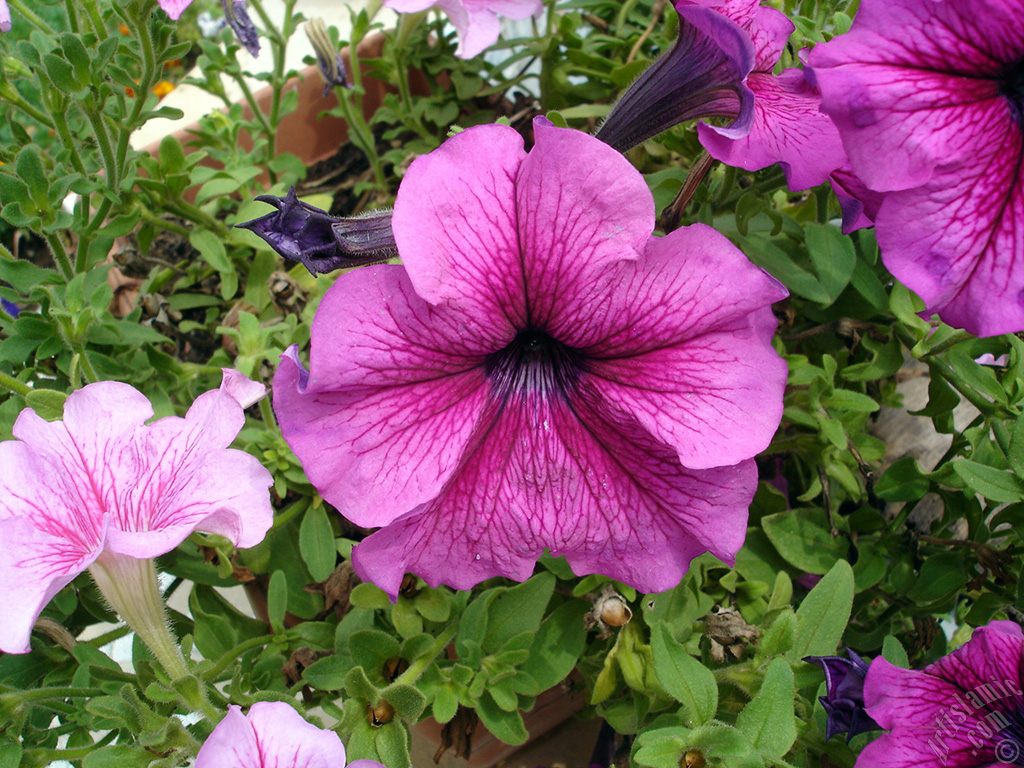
90, 372
60, 255
12, 97
268, 131
108, 637
168, 226
50, 692
30, 16
224, 662
145, 84
418, 667
193, 213
289, 513
110, 165
15, 386
47, 756
943, 345
360, 133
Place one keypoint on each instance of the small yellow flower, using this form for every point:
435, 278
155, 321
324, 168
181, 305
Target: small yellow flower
162, 88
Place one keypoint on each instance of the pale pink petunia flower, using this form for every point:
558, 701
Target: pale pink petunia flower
542, 373
104, 491
475, 21
928, 96
273, 735
5, 17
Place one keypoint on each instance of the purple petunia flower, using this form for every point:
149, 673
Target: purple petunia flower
273, 735
788, 126
101, 490
10, 307
844, 695
542, 373
722, 66
323, 243
475, 21
702, 75
928, 97
965, 710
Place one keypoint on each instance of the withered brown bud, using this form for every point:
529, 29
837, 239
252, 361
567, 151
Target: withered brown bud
382, 714
393, 667
615, 612
410, 586
692, 759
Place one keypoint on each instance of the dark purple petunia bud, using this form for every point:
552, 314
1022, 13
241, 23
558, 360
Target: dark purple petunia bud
238, 19
844, 697
701, 76
10, 307
332, 67
301, 232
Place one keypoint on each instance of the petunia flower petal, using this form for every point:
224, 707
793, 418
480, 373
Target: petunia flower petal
577, 227
272, 735
702, 75
175, 8
706, 380
768, 28
912, 82
476, 21
244, 390
858, 203
454, 225
788, 128
577, 477
957, 240
390, 400
34, 566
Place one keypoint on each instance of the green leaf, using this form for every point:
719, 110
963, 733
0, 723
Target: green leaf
833, 256
768, 720
369, 596
507, 726
801, 536
277, 600
556, 648
683, 677
316, 543
516, 610
219, 626
1015, 454
824, 613
47, 403
117, 756
327, 674
894, 652
903, 481
992, 483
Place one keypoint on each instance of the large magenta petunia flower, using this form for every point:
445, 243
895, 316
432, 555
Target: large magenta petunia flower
965, 710
541, 373
102, 490
475, 21
928, 96
273, 735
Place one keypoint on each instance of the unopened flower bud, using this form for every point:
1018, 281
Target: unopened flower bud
238, 19
332, 68
382, 714
692, 759
300, 232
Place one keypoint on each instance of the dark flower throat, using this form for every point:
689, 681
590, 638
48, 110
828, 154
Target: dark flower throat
1010, 82
534, 361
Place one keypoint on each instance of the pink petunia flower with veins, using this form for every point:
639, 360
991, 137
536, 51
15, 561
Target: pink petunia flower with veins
475, 21
103, 491
273, 735
541, 373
